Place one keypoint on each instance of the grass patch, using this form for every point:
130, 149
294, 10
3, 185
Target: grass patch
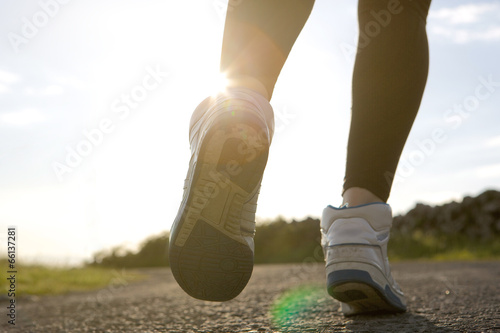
419, 245
42, 280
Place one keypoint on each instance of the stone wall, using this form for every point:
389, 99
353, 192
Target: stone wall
477, 218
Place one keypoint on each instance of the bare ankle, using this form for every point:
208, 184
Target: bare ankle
250, 83
355, 196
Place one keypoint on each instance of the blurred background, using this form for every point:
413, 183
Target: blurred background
96, 96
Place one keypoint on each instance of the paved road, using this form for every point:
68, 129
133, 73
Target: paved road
442, 297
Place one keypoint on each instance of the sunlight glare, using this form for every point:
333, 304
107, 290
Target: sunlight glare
218, 84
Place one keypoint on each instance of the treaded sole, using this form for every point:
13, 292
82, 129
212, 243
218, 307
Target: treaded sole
361, 293
211, 266
209, 257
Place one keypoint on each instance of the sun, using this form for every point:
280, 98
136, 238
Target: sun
219, 84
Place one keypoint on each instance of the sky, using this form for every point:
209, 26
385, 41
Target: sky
96, 96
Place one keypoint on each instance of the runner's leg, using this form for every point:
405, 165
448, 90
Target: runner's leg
258, 37
389, 78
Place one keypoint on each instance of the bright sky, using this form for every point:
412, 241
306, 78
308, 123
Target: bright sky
102, 92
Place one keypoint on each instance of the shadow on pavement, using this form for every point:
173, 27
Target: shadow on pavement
308, 308
405, 322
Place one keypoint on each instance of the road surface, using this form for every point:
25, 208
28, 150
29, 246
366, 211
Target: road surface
442, 297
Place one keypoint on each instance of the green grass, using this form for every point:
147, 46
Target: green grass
419, 245
42, 280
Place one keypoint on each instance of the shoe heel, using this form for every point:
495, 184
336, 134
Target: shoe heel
363, 287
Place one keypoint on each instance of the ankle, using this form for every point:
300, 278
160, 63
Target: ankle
355, 196
249, 83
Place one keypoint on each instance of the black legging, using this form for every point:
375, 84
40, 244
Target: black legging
389, 76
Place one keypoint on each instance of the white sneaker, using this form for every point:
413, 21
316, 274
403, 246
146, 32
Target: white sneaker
354, 241
211, 241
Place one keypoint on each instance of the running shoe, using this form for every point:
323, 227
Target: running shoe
211, 245
358, 274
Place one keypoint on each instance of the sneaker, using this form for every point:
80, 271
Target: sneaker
211, 245
357, 268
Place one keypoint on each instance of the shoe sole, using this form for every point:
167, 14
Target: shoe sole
364, 288
209, 257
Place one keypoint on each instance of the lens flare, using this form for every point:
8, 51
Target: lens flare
295, 305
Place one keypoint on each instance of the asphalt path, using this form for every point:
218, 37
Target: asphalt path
442, 297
